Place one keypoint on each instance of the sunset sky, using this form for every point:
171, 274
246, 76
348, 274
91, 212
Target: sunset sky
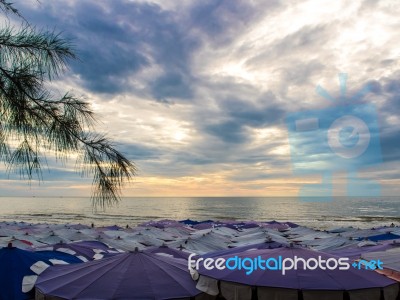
196, 93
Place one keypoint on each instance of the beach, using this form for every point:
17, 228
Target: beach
77, 261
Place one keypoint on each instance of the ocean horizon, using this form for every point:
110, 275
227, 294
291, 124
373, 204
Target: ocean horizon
340, 211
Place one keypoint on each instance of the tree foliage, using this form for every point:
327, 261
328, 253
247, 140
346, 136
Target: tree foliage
35, 123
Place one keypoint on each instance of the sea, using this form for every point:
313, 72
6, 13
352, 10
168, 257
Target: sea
337, 212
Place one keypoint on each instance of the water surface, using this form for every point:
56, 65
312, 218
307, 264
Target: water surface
361, 212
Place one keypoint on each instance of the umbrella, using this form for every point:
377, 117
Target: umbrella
7, 232
198, 246
157, 233
257, 237
356, 251
124, 244
73, 235
277, 226
132, 275
189, 222
162, 224
165, 250
326, 244
333, 283
268, 244
179, 232
361, 233
384, 237
52, 238
85, 250
212, 238
22, 243
390, 258
226, 231
110, 228
19, 269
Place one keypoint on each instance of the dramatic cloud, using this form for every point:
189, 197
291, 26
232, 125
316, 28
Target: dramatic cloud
198, 93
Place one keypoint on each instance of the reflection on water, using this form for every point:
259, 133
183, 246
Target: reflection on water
340, 211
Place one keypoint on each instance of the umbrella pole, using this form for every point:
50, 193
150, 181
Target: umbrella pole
254, 294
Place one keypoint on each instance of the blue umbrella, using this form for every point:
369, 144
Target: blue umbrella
19, 269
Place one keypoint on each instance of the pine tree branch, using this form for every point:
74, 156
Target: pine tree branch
7, 7
45, 52
27, 110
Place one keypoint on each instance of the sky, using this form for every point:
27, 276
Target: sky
203, 95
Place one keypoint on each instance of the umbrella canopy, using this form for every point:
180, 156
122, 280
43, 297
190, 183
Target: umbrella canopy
52, 238
242, 249
72, 234
212, 238
329, 243
197, 246
179, 232
277, 226
22, 243
85, 250
133, 275
162, 223
390, 258
384, 237
300, 279
257, 237
226, 231
189, 222
7, 232
110, 228
205, 225
361, 233
124, 244
299, 231
19, 269
156, 233
356, 251
147, 238
165, 250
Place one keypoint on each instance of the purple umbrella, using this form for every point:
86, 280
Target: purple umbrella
189, 222
292, 225
134, 275
113, 227
300, 279
249, 225
201, 226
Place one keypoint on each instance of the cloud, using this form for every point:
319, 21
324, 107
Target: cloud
116, 40
228, 131
171, 85
201, 89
